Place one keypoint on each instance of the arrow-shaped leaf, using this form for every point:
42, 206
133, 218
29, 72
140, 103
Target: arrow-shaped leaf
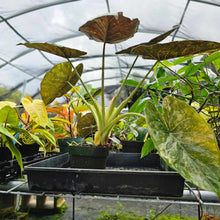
8, 116
186, 142
37, 110
86, 125
55, 83
110, 28
56, 50
175, 49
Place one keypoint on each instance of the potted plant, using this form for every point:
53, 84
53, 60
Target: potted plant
35, 121
65, 127
69, 120
8, 119
129, 133
11, 130
112, 29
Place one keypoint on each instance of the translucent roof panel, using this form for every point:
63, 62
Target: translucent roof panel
58, 21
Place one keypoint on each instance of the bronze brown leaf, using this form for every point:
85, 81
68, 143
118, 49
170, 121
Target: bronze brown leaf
110, 29
56, 50
175, 49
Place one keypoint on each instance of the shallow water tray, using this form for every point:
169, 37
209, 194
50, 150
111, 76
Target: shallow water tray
125, 174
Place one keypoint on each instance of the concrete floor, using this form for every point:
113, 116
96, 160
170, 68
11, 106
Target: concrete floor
88, 209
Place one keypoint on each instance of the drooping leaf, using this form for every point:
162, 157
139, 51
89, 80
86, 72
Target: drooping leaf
211, 58
55, 82
174, 49
151, 42
86, 125
36, 110
186, 142
27, 133
147, 147
15, 152
5, 132
56, 50
8, 115
110, 29
46, 134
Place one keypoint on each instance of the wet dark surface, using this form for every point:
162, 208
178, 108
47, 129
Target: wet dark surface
88, 209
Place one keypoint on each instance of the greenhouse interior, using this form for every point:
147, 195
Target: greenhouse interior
110, 109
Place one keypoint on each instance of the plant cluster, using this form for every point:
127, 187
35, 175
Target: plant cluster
182, 138
70, 116
197, 82
32, 126
130, 128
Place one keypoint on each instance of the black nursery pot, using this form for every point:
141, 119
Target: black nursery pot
28, 149
64, 143
88, 156
132, 146
5, 154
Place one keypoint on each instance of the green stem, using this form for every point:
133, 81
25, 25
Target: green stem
185, 80
70, 125
80, 79
123, 84
94, 109
122, 105
103, 81
106, 131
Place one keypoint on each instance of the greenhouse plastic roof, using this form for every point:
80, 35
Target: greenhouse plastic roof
58, 21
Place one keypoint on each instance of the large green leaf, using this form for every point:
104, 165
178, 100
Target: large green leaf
56, 50
174, 49
8, 115
186, 142
55, 83
37, 110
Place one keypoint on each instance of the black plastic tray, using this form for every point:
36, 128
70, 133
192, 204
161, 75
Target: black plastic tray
125, 174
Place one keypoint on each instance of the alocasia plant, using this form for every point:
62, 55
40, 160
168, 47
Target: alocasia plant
107, 29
